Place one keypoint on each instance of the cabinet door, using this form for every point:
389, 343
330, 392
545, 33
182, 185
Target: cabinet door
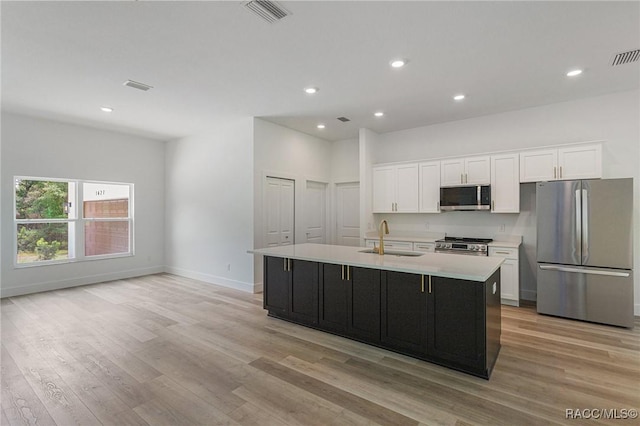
509, 291
538, 166
456, 332
364, 303
403, 312
505, 183
429, 187
384, 185
477, 170
452, 172
406, 188
334, 298
276, 285
303, 293
580, 162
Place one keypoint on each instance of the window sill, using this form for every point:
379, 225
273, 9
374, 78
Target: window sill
67, 261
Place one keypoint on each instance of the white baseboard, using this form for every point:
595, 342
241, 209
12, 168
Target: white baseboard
78, 281
213, 279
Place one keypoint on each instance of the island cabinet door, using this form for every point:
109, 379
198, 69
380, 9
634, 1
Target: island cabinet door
303, 293
334, 290
456, 325
350, 301
277, 281
404, 313
364, 304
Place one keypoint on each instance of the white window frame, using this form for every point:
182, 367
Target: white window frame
79, 222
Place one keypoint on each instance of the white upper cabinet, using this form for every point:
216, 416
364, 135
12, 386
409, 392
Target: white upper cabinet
580, 162
395, 188
564, 163
465, 171
407, 188
429, 187
505, 183
384, 195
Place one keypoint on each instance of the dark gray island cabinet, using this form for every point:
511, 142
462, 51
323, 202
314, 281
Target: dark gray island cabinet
448, 321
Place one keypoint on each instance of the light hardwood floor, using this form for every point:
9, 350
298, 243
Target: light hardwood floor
165, 350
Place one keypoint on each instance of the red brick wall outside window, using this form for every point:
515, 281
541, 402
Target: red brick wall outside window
106, 237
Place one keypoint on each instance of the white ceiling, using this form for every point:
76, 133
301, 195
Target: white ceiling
209, 61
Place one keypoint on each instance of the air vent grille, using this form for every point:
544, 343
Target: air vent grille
137, 85
269, 11
343, 119
626, 57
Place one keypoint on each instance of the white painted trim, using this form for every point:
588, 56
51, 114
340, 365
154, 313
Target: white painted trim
75, 282
348, 179
213, 279
636, 310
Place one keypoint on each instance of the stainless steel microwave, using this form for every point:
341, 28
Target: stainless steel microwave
472, 197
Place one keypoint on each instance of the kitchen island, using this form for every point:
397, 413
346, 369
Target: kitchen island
440, 308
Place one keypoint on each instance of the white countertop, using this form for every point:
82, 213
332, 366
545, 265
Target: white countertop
472, 268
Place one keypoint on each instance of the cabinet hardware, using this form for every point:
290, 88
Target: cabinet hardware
289, 265
284, 264
493, 204
348, 274
429, 284
422, 284
466, 178
502, 252
560, 172
461, 178
342, 267
554, 172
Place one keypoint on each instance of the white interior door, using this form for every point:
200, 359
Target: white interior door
348, 214
315, 212
279, 212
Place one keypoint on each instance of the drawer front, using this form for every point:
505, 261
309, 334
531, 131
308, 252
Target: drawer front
426, 247
398, 245
510, 253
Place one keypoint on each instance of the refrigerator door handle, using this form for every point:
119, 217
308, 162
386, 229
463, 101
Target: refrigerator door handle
578, 235
584, 271
585, 226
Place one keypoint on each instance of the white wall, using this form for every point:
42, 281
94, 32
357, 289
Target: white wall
613, 118
368, 141
42, 148
209, 205
286, 153
345, 161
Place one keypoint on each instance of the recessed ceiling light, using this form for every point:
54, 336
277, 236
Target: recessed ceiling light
573, 73
311, 90
458, 97
378, 114
106, 109
320, 126
399, 63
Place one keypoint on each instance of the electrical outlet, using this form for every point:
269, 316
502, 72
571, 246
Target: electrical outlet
502, 227
228, 266
426, 225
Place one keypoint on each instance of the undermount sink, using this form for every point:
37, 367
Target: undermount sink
394, 253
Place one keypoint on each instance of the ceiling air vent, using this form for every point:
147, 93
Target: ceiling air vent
343, 119
137, 85
269, 11
626, 57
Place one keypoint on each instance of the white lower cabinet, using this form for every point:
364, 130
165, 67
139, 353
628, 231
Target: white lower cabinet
391, 244
426, 247
509, 274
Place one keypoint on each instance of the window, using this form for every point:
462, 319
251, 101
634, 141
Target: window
70, 220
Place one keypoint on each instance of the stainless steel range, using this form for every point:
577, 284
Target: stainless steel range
457, 245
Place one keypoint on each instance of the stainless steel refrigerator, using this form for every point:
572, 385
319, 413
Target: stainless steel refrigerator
585, 250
